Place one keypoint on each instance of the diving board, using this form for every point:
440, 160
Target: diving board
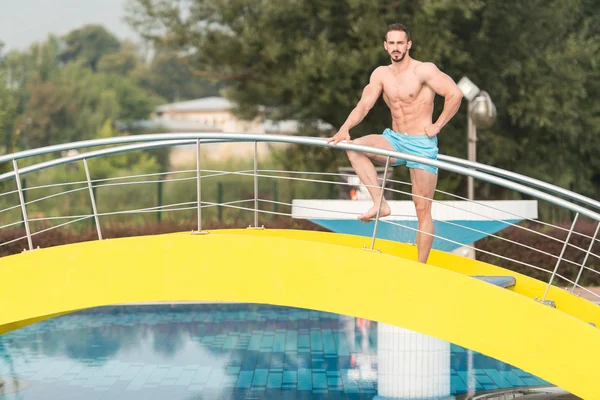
461, 222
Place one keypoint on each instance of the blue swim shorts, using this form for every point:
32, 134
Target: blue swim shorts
418, 145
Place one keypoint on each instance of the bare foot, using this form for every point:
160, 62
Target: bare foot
372, 213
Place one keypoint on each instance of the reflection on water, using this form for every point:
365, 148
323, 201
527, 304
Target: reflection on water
213, 351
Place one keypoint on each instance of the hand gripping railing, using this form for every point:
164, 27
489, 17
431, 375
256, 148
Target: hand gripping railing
509, 180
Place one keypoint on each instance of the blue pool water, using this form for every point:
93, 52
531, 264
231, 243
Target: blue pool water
211, 351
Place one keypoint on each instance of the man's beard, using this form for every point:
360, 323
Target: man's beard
395, 59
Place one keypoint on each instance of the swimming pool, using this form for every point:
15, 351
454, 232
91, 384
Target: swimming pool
212, 351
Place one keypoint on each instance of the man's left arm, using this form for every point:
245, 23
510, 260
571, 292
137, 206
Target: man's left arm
443, 85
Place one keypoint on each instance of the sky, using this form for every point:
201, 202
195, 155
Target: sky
23, 22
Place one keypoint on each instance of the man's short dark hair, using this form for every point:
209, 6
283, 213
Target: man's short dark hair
398, 27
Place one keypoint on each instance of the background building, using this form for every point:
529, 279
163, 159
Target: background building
215, 114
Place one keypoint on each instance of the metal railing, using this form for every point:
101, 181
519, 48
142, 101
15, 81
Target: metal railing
581, 206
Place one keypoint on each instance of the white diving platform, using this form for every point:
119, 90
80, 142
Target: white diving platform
461, 222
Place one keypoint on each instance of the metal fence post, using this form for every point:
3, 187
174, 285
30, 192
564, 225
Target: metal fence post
24, 189
199, 190
92, 198
159, 200
22, 201
560, 257
220, 201
387, 165
198, 185
255, 185
275, 195
586, 257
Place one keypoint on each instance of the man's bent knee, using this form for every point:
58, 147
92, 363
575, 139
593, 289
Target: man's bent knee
352, 155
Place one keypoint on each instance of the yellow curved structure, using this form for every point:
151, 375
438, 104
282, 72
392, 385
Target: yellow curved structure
320, 271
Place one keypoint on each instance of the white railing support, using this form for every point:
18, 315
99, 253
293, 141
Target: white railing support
255, 184
198, 191
22, 201
587, 254
560, 257
92, 198
387, 165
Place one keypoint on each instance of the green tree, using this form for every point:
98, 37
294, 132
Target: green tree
310, 59
89, 44
73, 106
170, 76
305, 59
122, 63
8, 107
541, 80
44, 58
38, 63
53, 102
135, 102
7, 111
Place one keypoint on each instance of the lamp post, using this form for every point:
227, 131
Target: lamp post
481, 112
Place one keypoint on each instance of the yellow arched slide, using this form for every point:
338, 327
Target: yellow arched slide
320, 271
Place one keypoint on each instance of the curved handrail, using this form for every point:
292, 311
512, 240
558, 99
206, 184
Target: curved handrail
181, 138
154, 137
247, 137
520, 178
92, 154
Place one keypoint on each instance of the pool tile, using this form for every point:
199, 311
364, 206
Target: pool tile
248, 351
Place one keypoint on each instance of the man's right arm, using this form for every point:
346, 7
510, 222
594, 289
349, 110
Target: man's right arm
369, 96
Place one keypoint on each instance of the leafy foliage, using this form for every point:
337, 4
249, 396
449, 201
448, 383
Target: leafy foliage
89, 44
310, 59
170, 77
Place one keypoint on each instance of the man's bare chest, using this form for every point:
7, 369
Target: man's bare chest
405, 88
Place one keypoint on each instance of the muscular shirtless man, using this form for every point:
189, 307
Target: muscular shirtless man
408, 87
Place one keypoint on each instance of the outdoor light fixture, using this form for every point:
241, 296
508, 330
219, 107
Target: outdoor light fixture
481, 113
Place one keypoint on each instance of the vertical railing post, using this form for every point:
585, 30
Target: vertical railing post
199, 190
22, 201
471, 149
220, 201
24, 190
92, 198
159, 199
387, 165
560, 257
275, 196
586, 257
255, 185
198, 185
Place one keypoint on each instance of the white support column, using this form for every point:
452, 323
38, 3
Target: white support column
411, 365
